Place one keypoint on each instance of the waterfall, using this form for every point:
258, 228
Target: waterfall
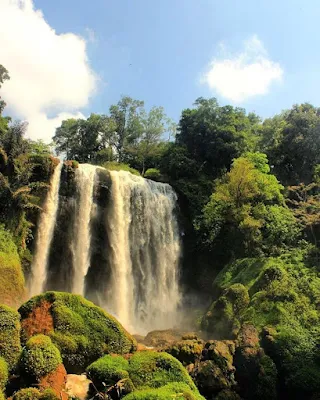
144, 237
85, 177
116, 241
44, 234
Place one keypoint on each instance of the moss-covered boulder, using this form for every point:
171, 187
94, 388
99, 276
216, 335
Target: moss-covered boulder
27, 394
162, 338
82, 331
256, 373
223, 317
108, 370
10, 347
186, 351
12, 284
175, 390
149, 369
4, 373
39, 357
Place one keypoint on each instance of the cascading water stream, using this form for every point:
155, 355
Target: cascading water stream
44, 234
85, 177
144, 238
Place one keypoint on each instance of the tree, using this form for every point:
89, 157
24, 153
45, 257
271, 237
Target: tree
292, 142
148, 147
247, 207
4, 75
81, 139
126, 116
215, 135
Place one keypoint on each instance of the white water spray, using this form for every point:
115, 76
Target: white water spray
45, 234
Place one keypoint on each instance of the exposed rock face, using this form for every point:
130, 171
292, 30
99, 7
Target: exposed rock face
55, 380
82, 331
77, 386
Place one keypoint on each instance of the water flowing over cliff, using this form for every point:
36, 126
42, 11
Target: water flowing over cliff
116, 241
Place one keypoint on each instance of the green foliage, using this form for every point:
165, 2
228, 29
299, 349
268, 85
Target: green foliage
10, 347
82, 331
4, 373
292, 143
39, 357
49, 394
175, 390
109, 370
153, 173
115, 166
153, 370
247, 207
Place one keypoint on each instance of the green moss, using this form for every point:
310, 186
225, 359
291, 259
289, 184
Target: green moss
49, 394
27, 394
175, 390
186, 351
109, 370
39, 357
4, 374
10, 347
82, 331
151, 369
223, 317
11, 276
114, 166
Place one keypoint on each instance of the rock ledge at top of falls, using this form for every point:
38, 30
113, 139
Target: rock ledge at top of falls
82, 331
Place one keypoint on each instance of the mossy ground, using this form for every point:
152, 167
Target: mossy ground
12, 289
82, 331
177, 391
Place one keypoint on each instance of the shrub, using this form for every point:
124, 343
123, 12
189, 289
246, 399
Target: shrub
175, 390
10, 347
153, 370
3, 373
39, 357
109, 370
49, 394
153, 173
82, 331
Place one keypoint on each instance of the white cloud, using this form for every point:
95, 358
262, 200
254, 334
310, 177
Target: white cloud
50, 75
237, 77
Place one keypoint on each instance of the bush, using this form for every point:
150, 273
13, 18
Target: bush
153, 370
49, 394
82, 331
39, 357
10, 347
175, 390
153, 173
109, 370
4, 374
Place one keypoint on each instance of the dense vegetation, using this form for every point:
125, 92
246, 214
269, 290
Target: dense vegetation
249, 197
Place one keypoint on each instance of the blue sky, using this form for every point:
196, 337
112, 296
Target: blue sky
160, 52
